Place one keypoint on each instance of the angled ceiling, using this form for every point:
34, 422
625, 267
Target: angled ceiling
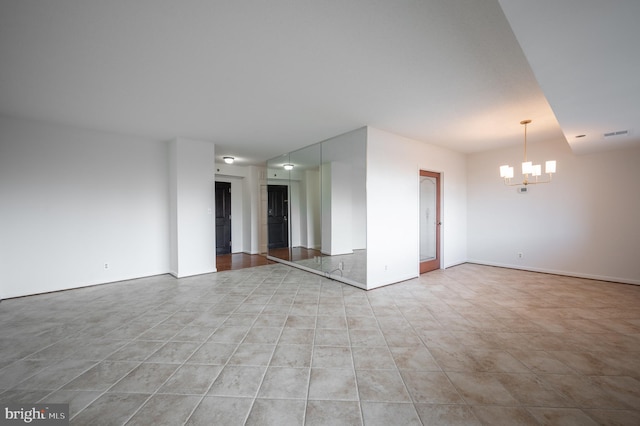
584, 54
263, 78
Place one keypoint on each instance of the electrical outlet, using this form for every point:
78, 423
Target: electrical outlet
341, 266
520, 255
106, 266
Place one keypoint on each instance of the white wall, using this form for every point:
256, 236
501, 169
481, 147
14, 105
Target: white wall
313, 225
256, 178
72, 200
337, 216
583, 224
344, 202
393, 165
192, 193
296, 213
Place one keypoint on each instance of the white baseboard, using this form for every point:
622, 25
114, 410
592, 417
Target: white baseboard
558, 272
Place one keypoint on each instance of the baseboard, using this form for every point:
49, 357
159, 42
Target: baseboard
558, 272
82, 286
451, 265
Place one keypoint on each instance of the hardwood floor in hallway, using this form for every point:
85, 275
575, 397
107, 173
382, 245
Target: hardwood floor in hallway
230, 262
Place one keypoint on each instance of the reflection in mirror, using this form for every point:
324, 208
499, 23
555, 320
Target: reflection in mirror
278, 208
301, 188
317, 209
344, 207
305, 206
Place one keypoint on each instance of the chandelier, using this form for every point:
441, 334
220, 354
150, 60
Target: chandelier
528, 168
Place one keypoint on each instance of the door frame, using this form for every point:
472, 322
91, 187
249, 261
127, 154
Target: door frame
432, 265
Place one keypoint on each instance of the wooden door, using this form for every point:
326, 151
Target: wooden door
429, 221
223, 218
277, 214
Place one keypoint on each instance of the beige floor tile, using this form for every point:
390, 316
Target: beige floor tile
496, 361
292, 356
174, 352
285, 382
529, 390
217, 410
623, 388
367, 337
542, 362
100, 377
450, 415
213, 353
165, 409
562, 416
333, 384
373, 358
332, 357
387, 413
381, 385
265, 335
482, 389
252, 354
456, 346
583, 391
588, 363
285, 412
333, 413
332, 337
77, 400
615, 417
146, 378
238, 381
296, 336
110, 408
507, 416
191, 379
414, 358
455, 359
431, 388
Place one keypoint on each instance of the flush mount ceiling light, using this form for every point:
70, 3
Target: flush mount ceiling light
528, 168
288, 166
229, 160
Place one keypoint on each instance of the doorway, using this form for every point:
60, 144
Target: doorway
277, 212
429, 221
223, 218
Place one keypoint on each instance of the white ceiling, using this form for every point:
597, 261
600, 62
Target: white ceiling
584, 54
260, 78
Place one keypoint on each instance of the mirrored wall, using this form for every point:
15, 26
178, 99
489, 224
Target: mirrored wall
316, 208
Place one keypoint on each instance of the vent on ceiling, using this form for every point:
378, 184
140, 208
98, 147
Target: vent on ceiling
618, 133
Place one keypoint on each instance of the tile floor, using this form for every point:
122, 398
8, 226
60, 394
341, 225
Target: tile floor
273, 345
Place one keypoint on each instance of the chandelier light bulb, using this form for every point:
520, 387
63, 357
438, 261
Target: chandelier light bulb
528, 168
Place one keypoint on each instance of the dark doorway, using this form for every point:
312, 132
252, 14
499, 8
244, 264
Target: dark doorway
223, 218
278, 209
